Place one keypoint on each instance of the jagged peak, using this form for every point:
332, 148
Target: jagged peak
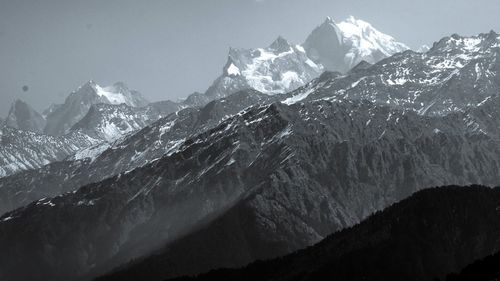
18, 101
329, 23
467, 43
19, 104
280, 44
329, 20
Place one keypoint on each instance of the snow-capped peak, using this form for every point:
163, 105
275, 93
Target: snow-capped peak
278, 68
110, 94
341, 46
364, 37
282, 67
117, 93
77, 104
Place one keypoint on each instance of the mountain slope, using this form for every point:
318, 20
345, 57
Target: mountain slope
104, 160
103, 124
61, 118
299, 172
425, 236
22, 150
110, 122
22, 116
457, 73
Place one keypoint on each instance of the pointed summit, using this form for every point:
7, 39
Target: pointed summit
23, 117
328, 21
280, 45
325, 46
62, 117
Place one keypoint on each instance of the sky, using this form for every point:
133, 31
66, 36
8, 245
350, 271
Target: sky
167, 49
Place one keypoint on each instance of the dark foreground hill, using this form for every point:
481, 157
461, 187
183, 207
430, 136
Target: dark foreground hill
487, 269
434, 232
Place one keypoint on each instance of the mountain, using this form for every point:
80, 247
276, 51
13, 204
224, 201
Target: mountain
22, 116
456, 73
279, 68
423, 237
109, 122
23, 150
423, 49
105, 160
102, 124
60, 118
341, 46
293, 173
283, 67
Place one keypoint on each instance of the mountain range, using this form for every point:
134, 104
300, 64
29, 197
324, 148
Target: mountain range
290, 144
279, 68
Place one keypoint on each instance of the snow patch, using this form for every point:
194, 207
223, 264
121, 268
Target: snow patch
233, 70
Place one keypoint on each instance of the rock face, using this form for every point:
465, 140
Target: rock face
434, 232
341, 46
61, 118
296, 173
22, 116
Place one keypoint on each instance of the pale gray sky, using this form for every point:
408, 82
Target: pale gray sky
168, 49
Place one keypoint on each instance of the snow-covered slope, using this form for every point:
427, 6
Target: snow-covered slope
110, 122
23, 150
101, 115
341, 46
278, 68
22, 116
283, 67
61, 118
455, 74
